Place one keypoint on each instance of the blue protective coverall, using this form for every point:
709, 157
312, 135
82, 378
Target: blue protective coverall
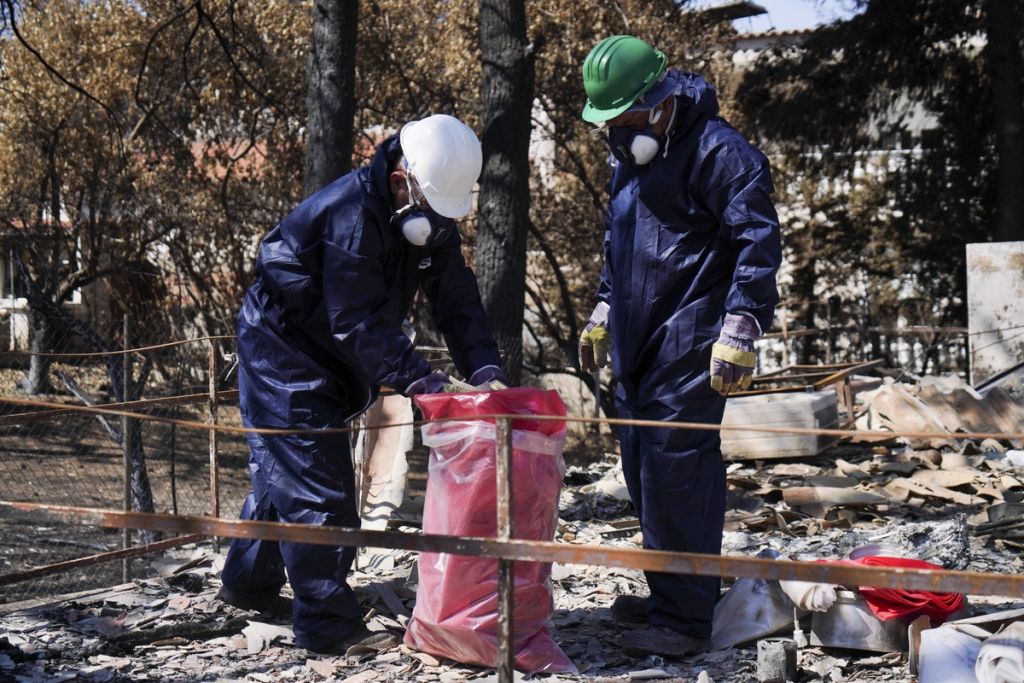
689, 238
318, 333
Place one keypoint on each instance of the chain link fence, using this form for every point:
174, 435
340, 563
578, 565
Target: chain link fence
846, 331
65, 457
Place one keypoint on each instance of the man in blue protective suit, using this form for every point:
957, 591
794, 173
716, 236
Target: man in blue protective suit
320, 331
691, 252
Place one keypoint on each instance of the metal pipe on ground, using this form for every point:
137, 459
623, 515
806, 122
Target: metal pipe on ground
100, 558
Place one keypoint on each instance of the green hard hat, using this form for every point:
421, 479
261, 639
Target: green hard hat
616, 73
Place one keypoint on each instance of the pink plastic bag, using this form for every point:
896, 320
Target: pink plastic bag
456, 613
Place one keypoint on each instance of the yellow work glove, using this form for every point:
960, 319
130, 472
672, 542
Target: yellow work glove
595, 340
732, 356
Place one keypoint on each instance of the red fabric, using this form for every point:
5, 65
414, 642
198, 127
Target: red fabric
893, 603
518, 401
456, 613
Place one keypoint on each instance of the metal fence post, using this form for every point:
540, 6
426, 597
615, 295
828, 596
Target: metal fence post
214, 465
10, 269
597, 409
506, 568
126, 369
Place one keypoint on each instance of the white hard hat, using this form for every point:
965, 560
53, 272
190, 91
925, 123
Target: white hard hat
444, 156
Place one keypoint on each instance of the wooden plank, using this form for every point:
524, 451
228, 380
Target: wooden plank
92, 595
393, 602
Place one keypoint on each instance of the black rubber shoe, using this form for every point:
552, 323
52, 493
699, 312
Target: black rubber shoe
662, 641
358, 643
266, 603
632, 609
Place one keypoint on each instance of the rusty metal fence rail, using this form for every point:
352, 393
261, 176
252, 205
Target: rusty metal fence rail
213, 526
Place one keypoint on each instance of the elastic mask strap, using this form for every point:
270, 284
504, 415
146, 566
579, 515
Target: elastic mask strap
410, 204
408, 186
671, 124
440, 234
414, 194
404, 211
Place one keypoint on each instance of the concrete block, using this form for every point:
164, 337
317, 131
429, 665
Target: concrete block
816, 410
776, 660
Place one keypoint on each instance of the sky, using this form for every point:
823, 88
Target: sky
787, 15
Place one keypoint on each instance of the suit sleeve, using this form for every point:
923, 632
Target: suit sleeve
455, 304
362, 326
749, 221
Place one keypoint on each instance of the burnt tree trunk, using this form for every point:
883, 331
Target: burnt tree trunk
507, 94
37, 381
330, 92
801, 294
1004, 23
142, 490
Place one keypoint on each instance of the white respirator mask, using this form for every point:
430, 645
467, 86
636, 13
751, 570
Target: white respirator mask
420, 226
638, 148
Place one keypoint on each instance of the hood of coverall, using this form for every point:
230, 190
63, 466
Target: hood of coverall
697, 99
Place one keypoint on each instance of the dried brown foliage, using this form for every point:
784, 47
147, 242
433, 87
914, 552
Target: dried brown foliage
184, 143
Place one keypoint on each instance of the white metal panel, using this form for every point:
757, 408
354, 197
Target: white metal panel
995, 307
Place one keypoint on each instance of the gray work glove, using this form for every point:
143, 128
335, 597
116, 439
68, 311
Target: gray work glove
732, 356
436, 382
489, 378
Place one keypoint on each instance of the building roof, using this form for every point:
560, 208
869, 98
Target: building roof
764, 39
727, 10
776, 34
